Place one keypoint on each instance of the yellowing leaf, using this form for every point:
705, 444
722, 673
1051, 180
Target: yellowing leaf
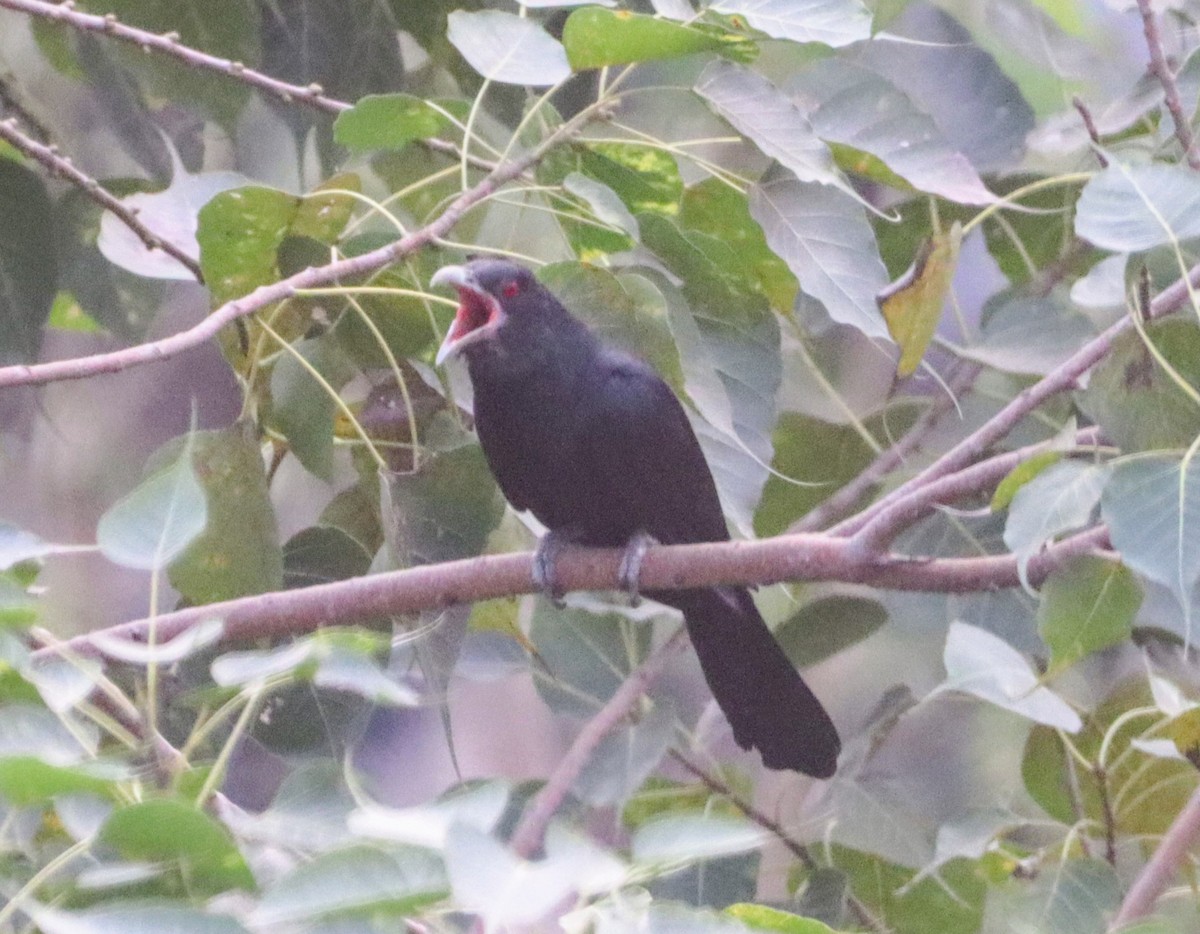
912, 306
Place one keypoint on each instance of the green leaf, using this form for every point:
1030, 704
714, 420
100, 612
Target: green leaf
28, 270
1029, 241
1152, 789
1152, 507
151, 526
764, 918
984, 665
321, 554
831, 22
912, 306
238, 553
387, 121
951, 903
821, 629
596, 38
1016, 478
445, 510
1133, 398
239, 233
241, 230
25, 780
356, 879
67, 315
169, 213
508, 48
856, 107
162, 829
1128, 208
644, 178
823, 236
682, 839
302, 409
1086, 605
714, 208
625, 309
820, 457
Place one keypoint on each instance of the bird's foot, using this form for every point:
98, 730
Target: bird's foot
631, 565
545, 560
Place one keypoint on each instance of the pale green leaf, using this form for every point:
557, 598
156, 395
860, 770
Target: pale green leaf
1129, 208
832, 22
508, 48
823, 236
151, 526
1152, 507
856, 107
984, 665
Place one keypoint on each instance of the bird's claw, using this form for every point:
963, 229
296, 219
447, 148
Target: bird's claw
630, 570
545, 571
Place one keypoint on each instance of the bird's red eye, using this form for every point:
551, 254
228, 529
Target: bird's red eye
512, 288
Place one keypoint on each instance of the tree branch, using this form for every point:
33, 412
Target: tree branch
527, 838
312, 95
313, 277
56, 164
1063, 377
1160, 68
882, 530
848, 496
771, 561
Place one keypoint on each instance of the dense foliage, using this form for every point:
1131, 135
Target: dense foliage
922, 275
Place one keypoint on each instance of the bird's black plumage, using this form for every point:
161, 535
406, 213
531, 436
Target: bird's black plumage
597, 446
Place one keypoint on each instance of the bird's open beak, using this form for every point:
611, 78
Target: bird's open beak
478, 315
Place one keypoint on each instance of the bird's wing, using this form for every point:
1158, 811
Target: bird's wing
649, 473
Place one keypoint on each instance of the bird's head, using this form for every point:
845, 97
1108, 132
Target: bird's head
490, 293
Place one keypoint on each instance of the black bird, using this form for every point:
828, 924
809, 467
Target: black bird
597, 446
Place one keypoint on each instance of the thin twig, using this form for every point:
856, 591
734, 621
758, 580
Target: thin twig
1089, 124
531, 830
862, 914
435, 586
1110, 819
1161, 69
15, 108
980, 477
1162, 866
848, 496
54, 163
312, 95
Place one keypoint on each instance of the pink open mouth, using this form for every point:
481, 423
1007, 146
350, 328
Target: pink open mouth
475, 310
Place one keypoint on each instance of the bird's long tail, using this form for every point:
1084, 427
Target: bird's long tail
760, 692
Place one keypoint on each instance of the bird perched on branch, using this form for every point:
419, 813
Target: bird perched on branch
596, 445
